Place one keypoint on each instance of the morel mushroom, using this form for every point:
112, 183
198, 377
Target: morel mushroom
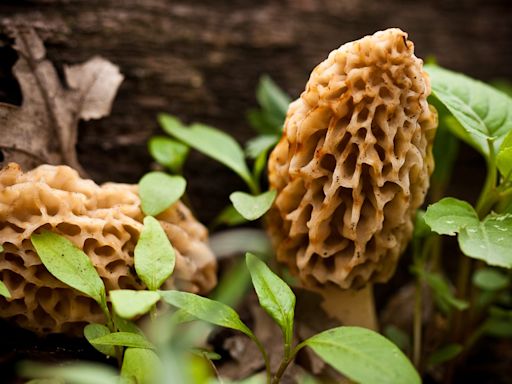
353, 164
105, 221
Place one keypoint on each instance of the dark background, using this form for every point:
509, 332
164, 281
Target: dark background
201, 60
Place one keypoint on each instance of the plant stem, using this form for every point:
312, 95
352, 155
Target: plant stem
488, 195
418, 304
282, 367
265, 357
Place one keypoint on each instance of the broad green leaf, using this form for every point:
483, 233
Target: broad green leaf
170, 153
504, 156
73, 373
123, 339
154, 254
363, 356
229, 216
272, 98
211, 142
489, 240
70, 265
444, 354
129, 304
260, 144
93, 331
274, 295
443, 294
482, 110
490, 279
207, 310
449, 215
252, 207
4, 291
158, 191
143, 365
46, 381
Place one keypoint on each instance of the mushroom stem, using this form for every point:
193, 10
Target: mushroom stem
350, 307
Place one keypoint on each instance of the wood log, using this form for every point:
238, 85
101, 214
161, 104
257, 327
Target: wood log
201, 60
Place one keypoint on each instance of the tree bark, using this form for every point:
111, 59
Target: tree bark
201, 61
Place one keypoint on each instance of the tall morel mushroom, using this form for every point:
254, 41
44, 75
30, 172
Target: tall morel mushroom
105, 221
353, 164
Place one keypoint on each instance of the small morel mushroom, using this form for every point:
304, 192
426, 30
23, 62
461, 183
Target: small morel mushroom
105, 221
353, 164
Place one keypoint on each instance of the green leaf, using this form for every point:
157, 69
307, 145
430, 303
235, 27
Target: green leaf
271, 98
73, 373
252, 207
489, 240
483, 111
400, 338
264, 122
421, 229
444, 354
1, 248
490, 279
4, 291
209, 355
363, 356
167, 152
123, 339
46, 381
143, 365
207, 310
125, 325
274, 295
449, 215
129, 304
503, 85
70, 265
228, 216
443, 294
499, 323
260, 144
93, 331
154, 254
211, 142
504, 156
158, 191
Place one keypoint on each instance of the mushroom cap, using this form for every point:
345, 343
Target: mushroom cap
353, 163
105, 221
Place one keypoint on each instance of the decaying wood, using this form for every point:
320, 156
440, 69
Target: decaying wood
44, 128
201, 60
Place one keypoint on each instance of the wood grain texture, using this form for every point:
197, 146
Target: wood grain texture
201, 60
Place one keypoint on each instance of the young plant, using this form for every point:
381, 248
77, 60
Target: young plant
481, 116
360, 354
267, 121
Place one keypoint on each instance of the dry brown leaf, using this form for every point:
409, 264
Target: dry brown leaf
44, 128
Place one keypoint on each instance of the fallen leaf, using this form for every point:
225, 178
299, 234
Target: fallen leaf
44, 128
